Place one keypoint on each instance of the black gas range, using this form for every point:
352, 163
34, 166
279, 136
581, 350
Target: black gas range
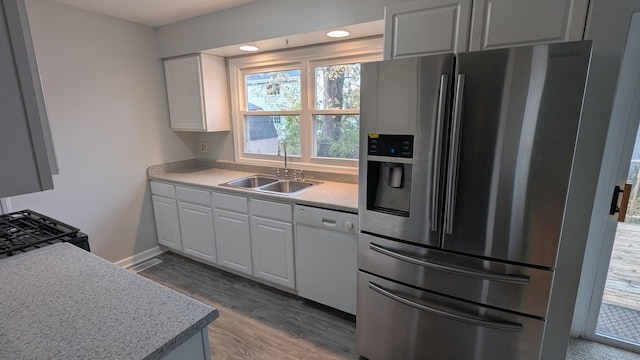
26, 230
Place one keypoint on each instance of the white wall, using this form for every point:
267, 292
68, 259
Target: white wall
104, 87
265, 19
261, 20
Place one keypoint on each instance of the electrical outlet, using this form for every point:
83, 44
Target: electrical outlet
204, 147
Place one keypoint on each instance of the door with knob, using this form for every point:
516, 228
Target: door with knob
614, 310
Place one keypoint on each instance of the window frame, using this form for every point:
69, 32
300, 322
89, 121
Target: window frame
308, 58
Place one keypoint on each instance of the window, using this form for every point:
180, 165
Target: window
307, 99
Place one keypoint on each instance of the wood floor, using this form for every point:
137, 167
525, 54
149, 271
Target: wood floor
256, 321
259, 322
623, 279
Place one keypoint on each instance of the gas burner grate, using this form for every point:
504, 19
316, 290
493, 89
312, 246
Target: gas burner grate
25, 229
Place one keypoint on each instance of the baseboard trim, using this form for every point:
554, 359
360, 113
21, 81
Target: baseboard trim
141, 257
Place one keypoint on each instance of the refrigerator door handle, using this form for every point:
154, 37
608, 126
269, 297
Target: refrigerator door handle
452, 175
500, 325
506, 278
437, 152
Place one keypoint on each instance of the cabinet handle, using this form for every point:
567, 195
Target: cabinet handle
500, 325
483, 275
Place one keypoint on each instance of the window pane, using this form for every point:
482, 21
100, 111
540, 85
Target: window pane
264, 133
338, 87
336, 136
273, 91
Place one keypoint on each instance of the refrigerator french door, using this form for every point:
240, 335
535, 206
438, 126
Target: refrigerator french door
464, 172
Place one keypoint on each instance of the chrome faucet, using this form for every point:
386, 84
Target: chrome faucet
283, 146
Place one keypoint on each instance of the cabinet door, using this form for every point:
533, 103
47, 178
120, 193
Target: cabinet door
167, 222
426, 27
216, 95
197, 93
196, 228
24, 161
508, 23
233, 242
184, 91
272, 247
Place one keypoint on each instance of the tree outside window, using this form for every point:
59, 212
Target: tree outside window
337, 88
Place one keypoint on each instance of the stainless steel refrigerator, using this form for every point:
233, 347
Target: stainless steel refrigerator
465, 166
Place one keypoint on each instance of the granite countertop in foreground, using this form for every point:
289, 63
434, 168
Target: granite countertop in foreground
61, 302
342, 196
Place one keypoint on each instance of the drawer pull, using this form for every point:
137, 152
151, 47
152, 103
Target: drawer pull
512, 279
500, 325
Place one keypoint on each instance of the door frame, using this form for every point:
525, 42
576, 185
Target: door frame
615, 168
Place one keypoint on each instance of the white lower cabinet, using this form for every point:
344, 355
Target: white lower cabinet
272, 248
256, 237
165, 211
272, 242
196, 228
233, 243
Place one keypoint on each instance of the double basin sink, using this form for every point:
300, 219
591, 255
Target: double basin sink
270, 184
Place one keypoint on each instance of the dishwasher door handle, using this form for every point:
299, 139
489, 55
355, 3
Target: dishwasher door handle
329, 222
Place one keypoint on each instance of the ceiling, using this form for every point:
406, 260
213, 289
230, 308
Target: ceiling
372, 28
154, 12
161, 12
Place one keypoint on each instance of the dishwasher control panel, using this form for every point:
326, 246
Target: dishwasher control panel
330, 219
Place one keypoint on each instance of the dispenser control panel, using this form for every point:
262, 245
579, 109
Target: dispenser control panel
391, 145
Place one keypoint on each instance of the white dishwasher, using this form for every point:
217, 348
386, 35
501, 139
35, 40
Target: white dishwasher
326, 256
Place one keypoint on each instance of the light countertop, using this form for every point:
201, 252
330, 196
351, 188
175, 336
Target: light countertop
61, 302
331, 195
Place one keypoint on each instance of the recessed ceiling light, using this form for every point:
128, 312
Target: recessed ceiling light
337, 33
248, 48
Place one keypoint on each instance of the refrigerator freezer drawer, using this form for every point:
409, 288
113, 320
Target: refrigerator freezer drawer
399, 322
517, 288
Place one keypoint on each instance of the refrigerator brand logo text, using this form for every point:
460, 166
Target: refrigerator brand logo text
565, 54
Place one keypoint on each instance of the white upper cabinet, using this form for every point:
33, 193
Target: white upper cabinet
507, 23
27, 160
426, 27
197, 93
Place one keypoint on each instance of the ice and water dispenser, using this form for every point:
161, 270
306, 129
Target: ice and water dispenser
389, 165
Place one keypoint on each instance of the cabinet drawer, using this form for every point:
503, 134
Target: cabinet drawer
230, 202
162, 189
508, 286
202, 197
271, 210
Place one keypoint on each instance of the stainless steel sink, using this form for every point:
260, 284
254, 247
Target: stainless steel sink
270, 184
287, 186
251, 182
